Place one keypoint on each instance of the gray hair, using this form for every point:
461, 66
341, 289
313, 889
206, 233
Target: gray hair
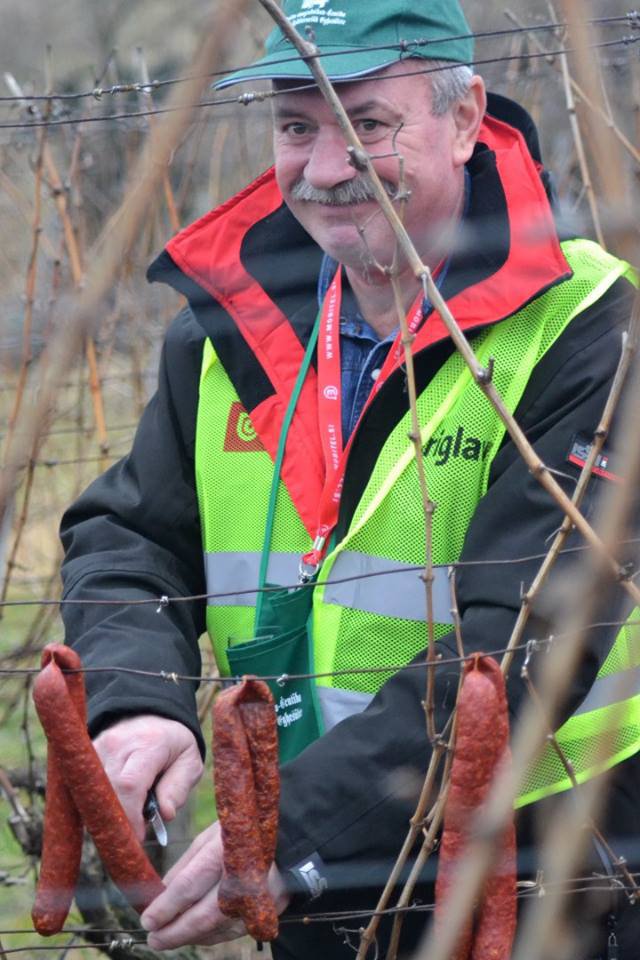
448, 84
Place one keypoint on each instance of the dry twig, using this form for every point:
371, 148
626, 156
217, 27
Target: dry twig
64, 345
581, 153
627, 357
580, 92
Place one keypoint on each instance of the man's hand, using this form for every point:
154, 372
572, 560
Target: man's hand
135, 752
187, 912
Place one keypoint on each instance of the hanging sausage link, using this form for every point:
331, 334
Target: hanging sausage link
482, 745
62, 831
245, 757
79, 792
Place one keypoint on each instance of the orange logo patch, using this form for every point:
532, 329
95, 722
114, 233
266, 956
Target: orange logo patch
241, 436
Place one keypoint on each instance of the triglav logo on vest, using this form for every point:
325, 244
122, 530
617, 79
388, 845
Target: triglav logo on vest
443, 446
240, 436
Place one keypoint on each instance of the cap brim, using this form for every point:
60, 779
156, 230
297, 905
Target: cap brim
338, 65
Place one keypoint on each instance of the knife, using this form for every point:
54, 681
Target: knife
151, 813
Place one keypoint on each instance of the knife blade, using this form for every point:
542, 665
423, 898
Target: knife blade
151, 813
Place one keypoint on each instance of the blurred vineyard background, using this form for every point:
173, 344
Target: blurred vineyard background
59, 190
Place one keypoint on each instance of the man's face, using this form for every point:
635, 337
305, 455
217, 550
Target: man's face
394, 121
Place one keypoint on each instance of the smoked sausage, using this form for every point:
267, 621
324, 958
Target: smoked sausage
481, 747
245, 757
90, 791
496, 922
62, 831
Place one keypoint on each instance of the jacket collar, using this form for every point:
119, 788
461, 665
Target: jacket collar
249, 272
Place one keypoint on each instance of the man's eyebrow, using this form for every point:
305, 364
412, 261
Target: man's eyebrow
374, 106
364, 107
283, 112
286, 113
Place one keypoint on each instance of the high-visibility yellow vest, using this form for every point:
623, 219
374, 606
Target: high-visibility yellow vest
370, 621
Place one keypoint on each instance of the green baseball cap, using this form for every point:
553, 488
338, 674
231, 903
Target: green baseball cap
347, 30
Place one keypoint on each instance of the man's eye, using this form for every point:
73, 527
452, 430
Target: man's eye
296, 129
369, 129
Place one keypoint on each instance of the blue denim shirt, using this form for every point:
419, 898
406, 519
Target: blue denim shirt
362, 352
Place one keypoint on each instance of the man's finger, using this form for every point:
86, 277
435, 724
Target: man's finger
132, 794
201, 924
137, 750
132, 784
175, 784
206, 837
187, 888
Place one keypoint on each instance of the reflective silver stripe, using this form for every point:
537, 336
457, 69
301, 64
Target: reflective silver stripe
227, 571
612, 689
336, 704
401, 594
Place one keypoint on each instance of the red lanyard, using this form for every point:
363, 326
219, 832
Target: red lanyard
330, 412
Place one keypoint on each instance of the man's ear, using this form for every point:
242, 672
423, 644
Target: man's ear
467, 115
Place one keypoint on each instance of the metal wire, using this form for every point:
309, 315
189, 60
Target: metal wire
168, 677
532, 646
575, 885
164, 601
260, 96
108, 944
121, 938
631, 18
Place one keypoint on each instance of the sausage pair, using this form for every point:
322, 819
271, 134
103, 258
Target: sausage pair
245, 758
482, 744
79, 793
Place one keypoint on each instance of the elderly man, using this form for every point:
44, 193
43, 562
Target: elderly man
278, 440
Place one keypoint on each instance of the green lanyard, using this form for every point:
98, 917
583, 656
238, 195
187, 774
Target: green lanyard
277, 466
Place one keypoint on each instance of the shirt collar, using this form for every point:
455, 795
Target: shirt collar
329, 266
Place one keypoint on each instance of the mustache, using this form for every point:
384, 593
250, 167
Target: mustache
344, 194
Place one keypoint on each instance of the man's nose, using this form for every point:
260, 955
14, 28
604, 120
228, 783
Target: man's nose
328, 163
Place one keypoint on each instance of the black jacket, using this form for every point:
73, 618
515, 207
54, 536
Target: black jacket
135, 534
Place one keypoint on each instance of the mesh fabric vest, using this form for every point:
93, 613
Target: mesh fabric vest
362, 619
